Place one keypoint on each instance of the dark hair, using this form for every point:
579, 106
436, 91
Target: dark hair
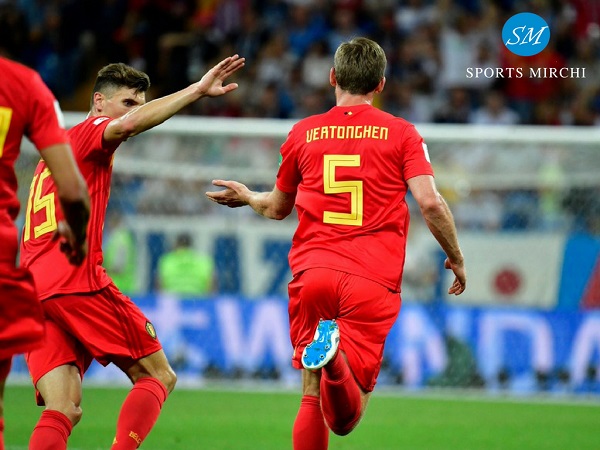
118, 75
183, 240
359, 65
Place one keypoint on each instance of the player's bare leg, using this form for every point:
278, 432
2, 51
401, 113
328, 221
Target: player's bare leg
61, 390
153, 379
310, 431
4, 370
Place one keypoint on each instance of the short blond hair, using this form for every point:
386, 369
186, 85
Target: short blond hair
359, 65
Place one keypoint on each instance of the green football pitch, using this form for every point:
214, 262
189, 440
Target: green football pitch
218, 419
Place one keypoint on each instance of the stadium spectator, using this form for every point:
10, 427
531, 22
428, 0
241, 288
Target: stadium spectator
305, 26
479, 210
120, 253
88, 316
402, 101
457, 109
446, 36
180, 40
184, 271
28, 108
316, 64
346, 228
494, 111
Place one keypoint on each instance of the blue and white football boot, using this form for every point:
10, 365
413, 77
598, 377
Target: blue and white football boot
323, 347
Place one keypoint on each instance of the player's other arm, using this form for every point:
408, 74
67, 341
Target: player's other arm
157, 111
440, 221
273, 205
74, 199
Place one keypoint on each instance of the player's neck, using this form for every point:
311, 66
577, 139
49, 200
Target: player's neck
344, 98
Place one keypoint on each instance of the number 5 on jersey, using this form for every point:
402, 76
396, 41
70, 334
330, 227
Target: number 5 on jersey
353, 187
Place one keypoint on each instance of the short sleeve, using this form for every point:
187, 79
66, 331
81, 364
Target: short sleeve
288, 176
415, 154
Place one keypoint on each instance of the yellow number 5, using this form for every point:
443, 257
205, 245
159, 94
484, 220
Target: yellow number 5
5, 117
37, 202
353, 187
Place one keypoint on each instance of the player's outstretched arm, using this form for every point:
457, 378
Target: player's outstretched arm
211, 84
273, 205
440, 221
74, 199
157, 111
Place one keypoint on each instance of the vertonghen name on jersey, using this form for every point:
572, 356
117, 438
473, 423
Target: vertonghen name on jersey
347, 132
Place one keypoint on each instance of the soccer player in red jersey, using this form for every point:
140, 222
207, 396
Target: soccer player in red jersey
28, 108
87, 317
347, 173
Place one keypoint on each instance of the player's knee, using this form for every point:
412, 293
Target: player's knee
168, 377
343, 425
343, 429
71, 411
75, 415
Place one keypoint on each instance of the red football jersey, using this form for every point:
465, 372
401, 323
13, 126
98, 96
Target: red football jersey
349, 167
39, 253
27, 107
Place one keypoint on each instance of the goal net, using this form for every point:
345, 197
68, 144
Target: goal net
526, 201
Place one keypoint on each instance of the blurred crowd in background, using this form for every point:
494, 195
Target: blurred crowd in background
289, 46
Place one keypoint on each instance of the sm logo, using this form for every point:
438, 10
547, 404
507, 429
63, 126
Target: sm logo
525, 34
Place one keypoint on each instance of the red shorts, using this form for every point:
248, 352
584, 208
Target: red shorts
104, 325
364, 310
21, 317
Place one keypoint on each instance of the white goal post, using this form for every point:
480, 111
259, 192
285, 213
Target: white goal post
482, 157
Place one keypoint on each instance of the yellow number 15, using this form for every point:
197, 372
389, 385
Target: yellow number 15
353, 187
36, 203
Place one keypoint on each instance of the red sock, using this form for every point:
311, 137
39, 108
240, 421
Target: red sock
310, 431
340, 396
139, 413
51, 432
1, 433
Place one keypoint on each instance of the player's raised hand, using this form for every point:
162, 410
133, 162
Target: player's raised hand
460, 280
211, 84
235, 195
74, 250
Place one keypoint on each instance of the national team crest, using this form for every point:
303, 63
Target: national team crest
150, 329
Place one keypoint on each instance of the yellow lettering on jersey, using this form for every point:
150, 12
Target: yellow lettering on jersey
347, 132
309, 135
5, 118
332, 186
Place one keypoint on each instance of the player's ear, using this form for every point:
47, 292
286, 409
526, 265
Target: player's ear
98, 101
332, 79
380, 86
